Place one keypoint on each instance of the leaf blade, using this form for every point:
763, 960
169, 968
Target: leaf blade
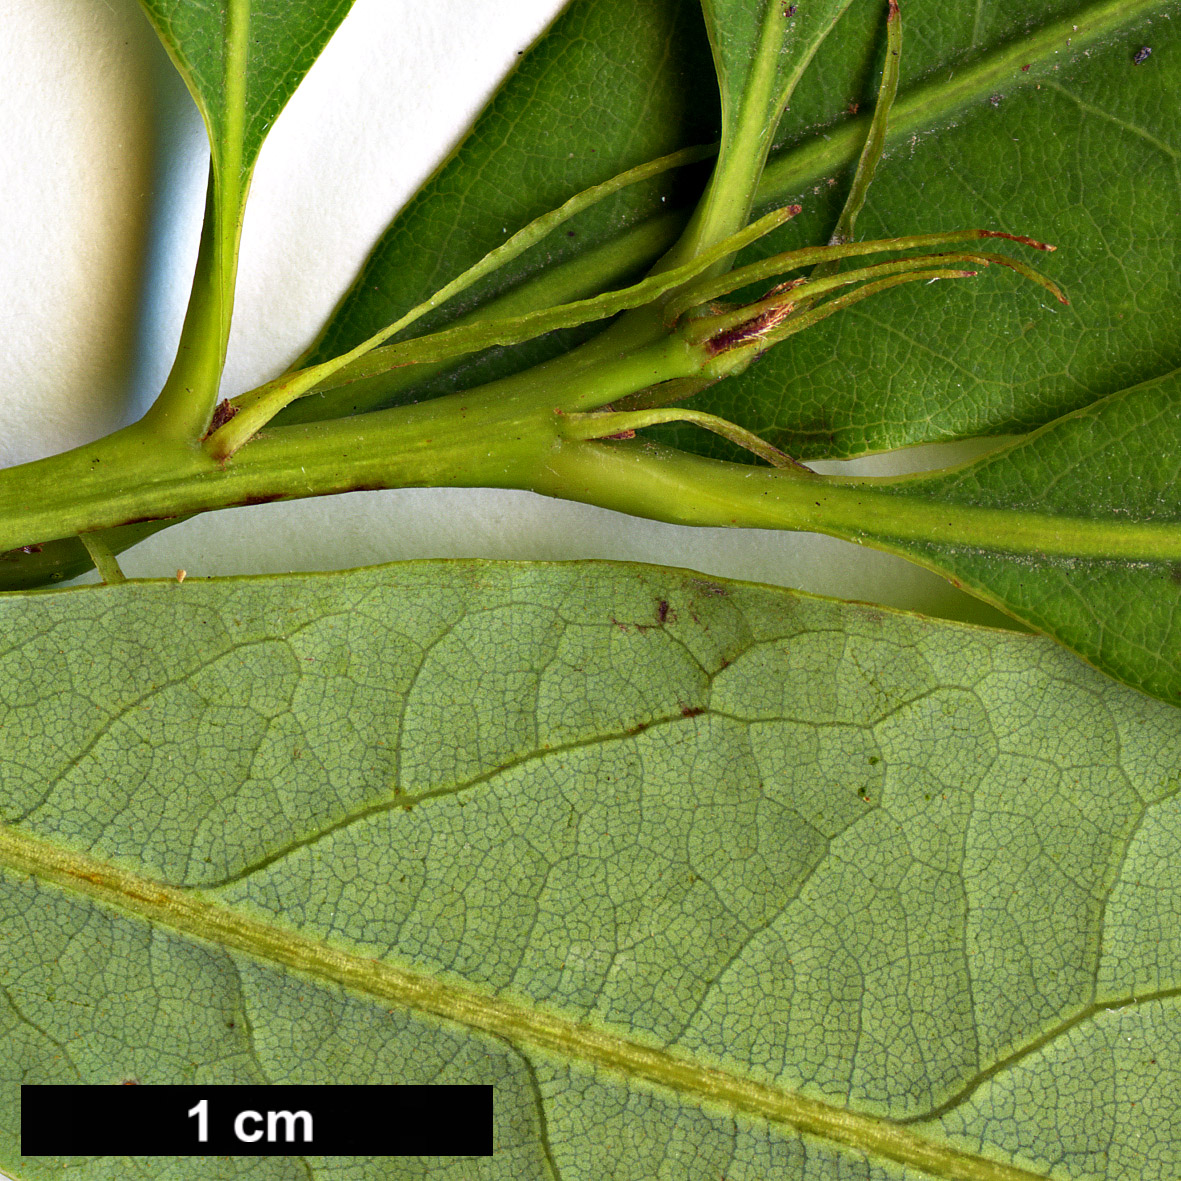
465, 802
1114, 462
242, 60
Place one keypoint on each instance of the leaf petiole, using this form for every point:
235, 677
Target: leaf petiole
875, 141
104, 560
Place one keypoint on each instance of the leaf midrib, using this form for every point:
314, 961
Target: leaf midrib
933, 102
193, 916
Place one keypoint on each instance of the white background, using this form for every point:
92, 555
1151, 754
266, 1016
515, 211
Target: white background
103, 188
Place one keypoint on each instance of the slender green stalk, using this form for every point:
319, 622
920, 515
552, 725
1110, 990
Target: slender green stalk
748, 128
788, 309
103, 559
294, 385
182, 408
784, 302
794, 260
875, 141
50, 562
582, 277
736, 346
618, 425
746, 138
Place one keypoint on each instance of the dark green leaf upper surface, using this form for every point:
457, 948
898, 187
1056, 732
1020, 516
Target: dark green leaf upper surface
922, 876
1081, 150
282, 40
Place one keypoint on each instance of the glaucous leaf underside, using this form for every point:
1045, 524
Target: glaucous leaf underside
630, 824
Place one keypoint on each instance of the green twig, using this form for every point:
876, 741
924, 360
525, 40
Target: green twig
255, 409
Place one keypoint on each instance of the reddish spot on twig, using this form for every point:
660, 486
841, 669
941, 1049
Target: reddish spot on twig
246, 501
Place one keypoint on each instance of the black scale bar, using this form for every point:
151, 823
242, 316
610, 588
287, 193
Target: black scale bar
133, 1120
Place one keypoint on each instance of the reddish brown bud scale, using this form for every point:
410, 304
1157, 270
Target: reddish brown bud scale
750, 329
222, 414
